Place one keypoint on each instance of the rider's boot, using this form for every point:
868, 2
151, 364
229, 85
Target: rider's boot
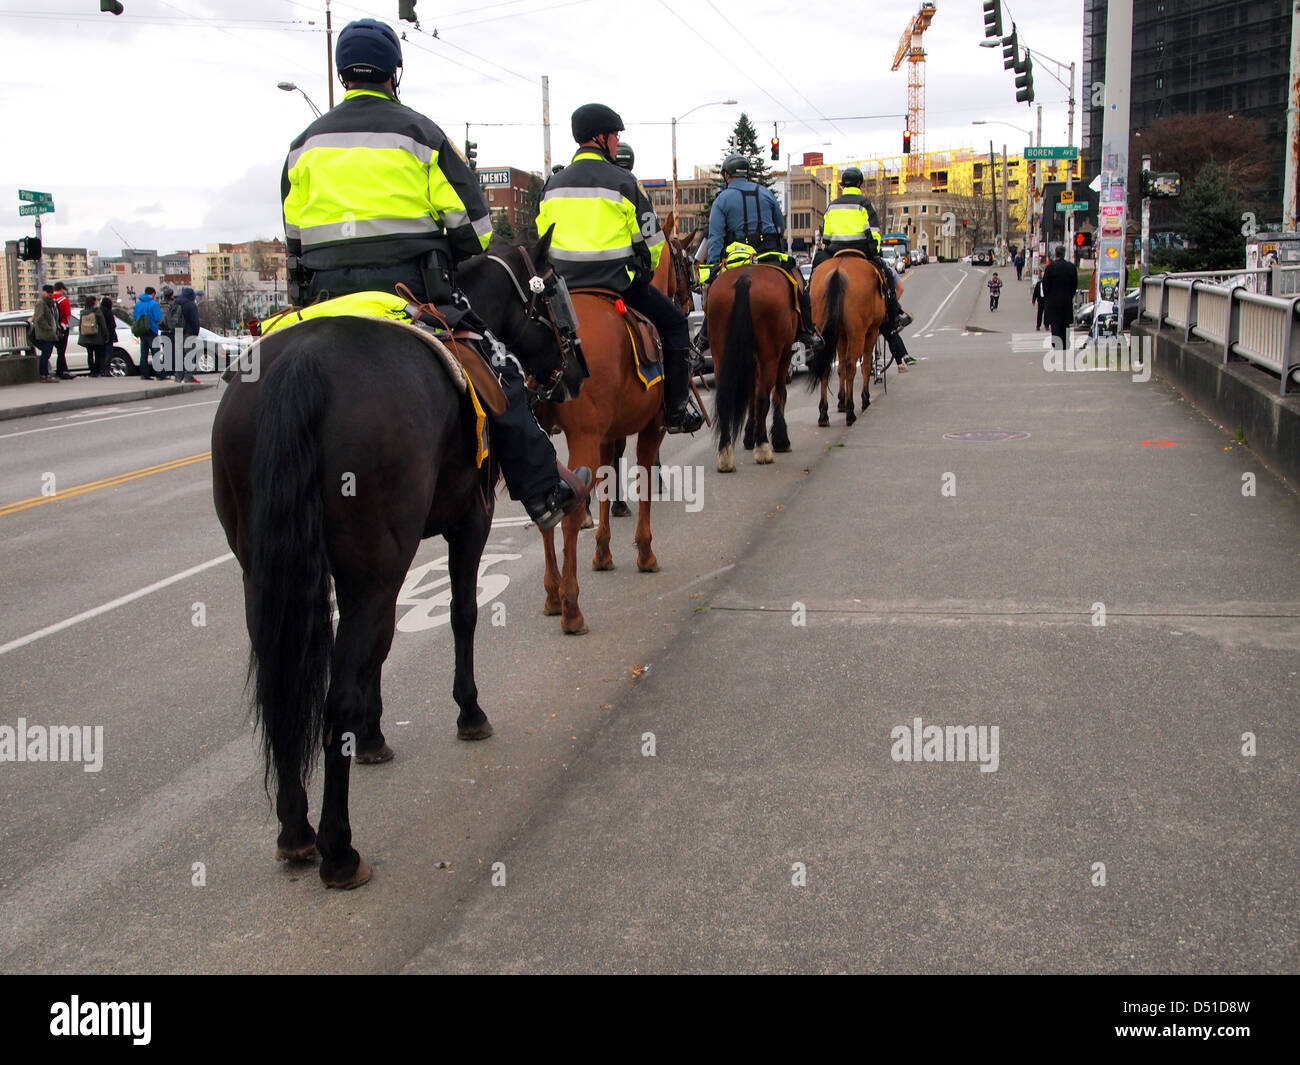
680, 415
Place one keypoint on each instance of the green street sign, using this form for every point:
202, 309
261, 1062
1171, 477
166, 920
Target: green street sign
1081, 206
1063, 151
35, 197
36, 208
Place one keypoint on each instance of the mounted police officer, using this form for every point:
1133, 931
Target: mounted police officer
852, 223
625, 157
375, 194
607, 234
749, 212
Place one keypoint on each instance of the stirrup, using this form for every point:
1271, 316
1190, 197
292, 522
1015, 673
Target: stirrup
685, 420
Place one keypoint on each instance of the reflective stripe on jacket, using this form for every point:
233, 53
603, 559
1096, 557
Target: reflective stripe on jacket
849, 217
606, 229
373, 182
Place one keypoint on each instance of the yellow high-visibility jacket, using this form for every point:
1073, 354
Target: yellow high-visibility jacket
849, 220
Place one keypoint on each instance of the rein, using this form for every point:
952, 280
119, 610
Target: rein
536, 288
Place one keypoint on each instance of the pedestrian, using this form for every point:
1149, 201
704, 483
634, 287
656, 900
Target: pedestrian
1020, 265
189, 312
64, 307
894, 337
173, 329
1037, 298
1060, 281
995, 290
110, 339
91, 329
45, 331
147, 316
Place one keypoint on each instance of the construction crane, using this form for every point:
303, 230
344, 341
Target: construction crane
909, 48
123, 239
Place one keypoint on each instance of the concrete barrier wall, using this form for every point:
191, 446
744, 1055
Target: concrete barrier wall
1237, 396
18, 369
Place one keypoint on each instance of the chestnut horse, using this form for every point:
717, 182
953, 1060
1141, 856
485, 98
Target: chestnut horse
753, 320
613, 405
848, 309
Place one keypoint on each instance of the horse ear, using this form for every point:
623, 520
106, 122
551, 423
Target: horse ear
542, 248
669, 223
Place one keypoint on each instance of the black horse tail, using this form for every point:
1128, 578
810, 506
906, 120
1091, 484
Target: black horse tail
735, 380
291, 622
820, 368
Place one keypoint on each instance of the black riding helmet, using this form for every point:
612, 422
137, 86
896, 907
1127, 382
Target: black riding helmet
851, 176
591, 121
625, 157
736, 166
368, 51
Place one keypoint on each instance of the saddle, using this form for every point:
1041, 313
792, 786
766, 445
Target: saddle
850, 252
647, 345
855, 253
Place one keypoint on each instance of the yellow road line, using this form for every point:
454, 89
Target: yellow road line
106, 482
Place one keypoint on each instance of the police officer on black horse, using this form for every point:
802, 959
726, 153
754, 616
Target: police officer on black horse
375, 194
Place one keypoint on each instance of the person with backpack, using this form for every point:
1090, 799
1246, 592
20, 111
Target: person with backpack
110, 339
45, 331
995, 290
64, 306
147, 318
189, 315
173, 320
91, 330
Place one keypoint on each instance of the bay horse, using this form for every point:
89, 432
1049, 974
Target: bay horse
612, 406
753, 320
849, 310
348, 447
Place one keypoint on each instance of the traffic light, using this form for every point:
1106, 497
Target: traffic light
776, 149
992, 18
406, 11
110, 7
963, 223
471, 154
1025, 80
1083, 242
29, 248
907, 141
1010, 49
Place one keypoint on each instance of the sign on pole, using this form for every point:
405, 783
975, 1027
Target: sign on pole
1063, 207
1049, 151
35, 197
36, 208
1067, 195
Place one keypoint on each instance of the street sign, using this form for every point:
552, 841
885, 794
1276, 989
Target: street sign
1061, 151
35, 197
1071, 207
1067, 195
36, 208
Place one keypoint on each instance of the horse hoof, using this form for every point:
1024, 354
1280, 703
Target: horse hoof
551, 608
469, 733
650, 565
823, 421
785, 447
601, 564
850, 418
360, 876
763, 455
726, 461
575, 626
384, 754
587, 523
307, 853
866, 401
619, 509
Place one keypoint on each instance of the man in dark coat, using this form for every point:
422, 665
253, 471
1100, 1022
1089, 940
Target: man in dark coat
1060, 281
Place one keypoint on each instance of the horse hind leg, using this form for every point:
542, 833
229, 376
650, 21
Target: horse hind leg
602, 559
763, 454
647, 458
780, 432
465, 553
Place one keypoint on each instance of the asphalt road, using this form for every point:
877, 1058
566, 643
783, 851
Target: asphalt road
1118, 744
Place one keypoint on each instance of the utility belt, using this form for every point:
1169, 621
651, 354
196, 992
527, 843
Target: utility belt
434, 269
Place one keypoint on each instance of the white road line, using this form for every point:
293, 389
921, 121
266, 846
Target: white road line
110, 418
95, 612
941, 306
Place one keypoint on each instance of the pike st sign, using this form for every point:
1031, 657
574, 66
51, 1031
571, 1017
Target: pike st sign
35, 197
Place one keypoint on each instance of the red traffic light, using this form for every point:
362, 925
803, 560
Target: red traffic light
1080, 240
776, 148
907, 141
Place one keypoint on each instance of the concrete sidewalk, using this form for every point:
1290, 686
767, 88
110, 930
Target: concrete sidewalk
24, 401
1113, 587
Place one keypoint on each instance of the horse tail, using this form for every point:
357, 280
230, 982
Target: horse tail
735, 380
820, 368
291, 622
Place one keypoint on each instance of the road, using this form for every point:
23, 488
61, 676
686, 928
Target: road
121, 608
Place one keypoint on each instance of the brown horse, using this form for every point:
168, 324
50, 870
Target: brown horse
613, 405
753, 320
849, 309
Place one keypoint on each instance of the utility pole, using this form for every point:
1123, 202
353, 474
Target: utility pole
546, 128
40, 263
1292, 128
1069, 163
993, 199
1006, 213
1111, 275
1146, 219
329, 52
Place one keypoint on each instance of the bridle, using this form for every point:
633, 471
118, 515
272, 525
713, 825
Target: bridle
556, 311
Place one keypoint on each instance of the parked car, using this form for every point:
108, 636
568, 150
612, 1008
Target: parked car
983, 257
1083, 316
214, 355
918, 257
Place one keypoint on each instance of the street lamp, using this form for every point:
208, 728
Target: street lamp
289, 86
1028, 195
711, 103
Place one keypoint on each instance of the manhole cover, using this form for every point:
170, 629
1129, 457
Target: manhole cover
987, 436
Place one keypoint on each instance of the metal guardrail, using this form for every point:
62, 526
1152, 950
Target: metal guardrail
14, 338
1261, 329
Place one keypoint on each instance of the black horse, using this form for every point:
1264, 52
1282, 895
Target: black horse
349, 447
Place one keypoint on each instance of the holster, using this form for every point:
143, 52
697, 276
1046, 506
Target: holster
436, 272
299, 279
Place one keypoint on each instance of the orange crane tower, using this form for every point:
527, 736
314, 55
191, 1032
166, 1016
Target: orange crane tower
909, 48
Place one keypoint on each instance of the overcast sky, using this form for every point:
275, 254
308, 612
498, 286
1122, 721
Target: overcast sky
84, 92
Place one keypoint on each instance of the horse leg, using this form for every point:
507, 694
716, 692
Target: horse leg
780, 434
372, 748
583, 451
602, 559
823, 418
647, 457
551, 579
619, 508
762, 403
749, 429
850, 364
365, 633
465, 552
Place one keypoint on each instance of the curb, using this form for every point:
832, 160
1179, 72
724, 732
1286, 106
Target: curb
34, 409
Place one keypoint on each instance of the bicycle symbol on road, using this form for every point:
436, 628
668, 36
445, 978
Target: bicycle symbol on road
426, 592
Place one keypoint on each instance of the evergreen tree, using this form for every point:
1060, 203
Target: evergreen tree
502, 226
1213, 226
742, 141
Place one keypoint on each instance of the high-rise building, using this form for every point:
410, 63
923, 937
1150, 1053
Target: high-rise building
1193, 57
19, 289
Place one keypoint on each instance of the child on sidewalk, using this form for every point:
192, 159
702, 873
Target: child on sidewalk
995, 290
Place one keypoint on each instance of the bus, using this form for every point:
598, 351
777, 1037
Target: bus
894, 248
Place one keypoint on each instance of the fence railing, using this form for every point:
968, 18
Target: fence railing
14, 338
1262, 329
